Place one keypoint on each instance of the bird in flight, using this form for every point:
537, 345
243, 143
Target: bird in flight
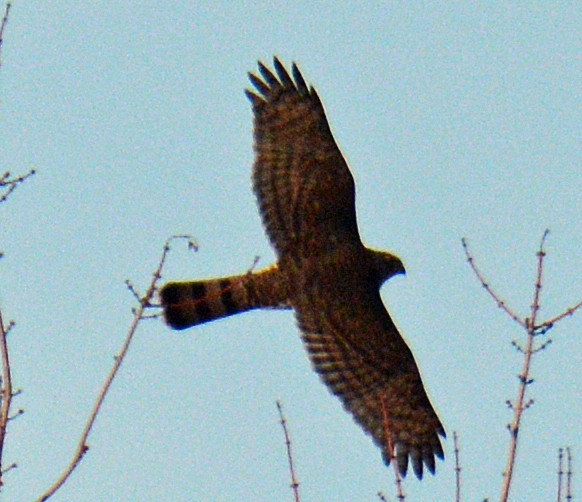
306, 196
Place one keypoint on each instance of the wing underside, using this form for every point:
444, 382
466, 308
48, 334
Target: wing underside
303, 185
362, 358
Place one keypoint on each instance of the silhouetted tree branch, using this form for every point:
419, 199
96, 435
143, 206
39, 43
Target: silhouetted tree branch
3, 24
534, 329
294, 482
568, 473
6, 393
457, 468
560, 473
400, 495
145, 302
8, 184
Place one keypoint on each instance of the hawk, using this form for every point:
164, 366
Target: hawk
306, 197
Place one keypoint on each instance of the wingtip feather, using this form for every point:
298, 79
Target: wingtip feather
268, 76
284, 76
299, 80
253, 98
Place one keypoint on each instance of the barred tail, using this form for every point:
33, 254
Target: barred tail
187, 304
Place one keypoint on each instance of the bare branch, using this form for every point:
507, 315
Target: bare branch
569, 495
569, 312
400, 495
457, 468
500, 303
10, 184
13, 465
569, 475
535, 306
543, 346
294, 482
6, 392
560, 473
82, 446
517, 346
520, 404
132, 290
3, 24
17, 414
534, 329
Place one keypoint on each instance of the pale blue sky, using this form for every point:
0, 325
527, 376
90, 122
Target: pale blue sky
456, 120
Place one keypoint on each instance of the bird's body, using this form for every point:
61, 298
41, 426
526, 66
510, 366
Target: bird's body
306, 197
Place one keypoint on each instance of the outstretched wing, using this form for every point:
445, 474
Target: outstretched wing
360, 355
306, 197
303, 185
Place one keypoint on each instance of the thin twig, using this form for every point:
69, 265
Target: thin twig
82, 446
560, 473
2, 26
13, 465
524, 377
568, 312
294, 482
535, 306
569, 475
457, 468
534, 329
400, 495
11, 183
6, 392
500, 303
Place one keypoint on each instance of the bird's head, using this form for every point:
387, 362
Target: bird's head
386, 265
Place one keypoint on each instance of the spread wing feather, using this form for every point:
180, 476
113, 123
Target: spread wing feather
297, 161
358, 352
